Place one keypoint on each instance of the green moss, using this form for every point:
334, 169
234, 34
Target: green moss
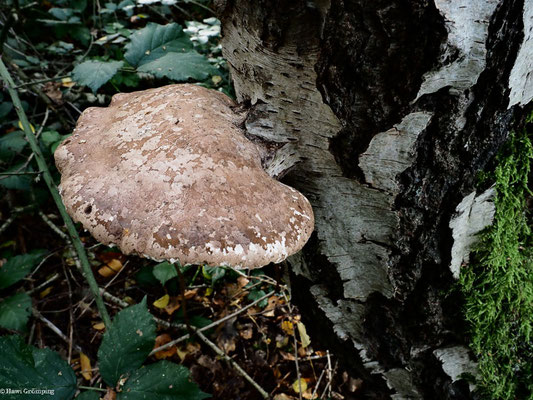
498, 287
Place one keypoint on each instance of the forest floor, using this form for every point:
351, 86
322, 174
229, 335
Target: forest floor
67, 55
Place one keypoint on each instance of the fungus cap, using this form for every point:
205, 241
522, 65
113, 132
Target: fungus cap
167, 173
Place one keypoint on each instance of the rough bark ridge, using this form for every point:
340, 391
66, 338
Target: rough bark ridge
383, 112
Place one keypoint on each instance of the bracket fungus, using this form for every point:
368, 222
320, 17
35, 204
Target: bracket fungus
168, 174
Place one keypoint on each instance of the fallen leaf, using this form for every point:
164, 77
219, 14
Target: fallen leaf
173, 305
246, 333
287, 327
283, 396
99, 326
242, 281
45, 292
160, 341
67, 82
111, 268
299, 383
52, 90
110, 395
86, 369
304, 337
162, 302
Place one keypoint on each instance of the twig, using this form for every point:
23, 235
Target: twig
44, 284
6, 224
47, 176
123, 304
92, 388
54, 227
211, 325
328, 386
298, 376
56, 78
318, 384
55, 329
237, 367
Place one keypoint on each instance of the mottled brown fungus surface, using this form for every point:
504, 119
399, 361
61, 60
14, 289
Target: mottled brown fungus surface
167, 173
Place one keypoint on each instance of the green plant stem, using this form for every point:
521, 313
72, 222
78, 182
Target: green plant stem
47, 176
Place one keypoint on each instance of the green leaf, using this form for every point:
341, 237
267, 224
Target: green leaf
161, 381
5, 108
95, 73
165, 271
15, 311
180, 67
26, 367
89, 395
257, 294
127, 343
154, 41
145, 277
19, 180
213, 273
12, 143
18, 267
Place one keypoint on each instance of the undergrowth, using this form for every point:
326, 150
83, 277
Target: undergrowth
498, 286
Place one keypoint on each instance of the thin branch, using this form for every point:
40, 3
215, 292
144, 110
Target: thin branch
237, 367
47, 176
44, 284
55, 329
211, 325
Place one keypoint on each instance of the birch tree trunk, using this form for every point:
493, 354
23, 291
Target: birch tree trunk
382, 113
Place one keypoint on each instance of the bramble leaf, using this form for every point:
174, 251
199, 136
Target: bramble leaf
161, 381
15, 311
94, 73
180, 67
127, 343
26, 367
154, 41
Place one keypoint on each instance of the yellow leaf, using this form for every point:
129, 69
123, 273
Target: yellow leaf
216, 79
162, 302
299, 383
22, 128
182, 353
99, 326
102, 39
111, 268
304, 337
208, 291
287, 327
45, 292
85, 367
67, 82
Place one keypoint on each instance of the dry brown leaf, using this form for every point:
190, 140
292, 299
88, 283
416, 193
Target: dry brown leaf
283, 396
242, 281
246, 333
173, 305
160, 341
110, 395
53, 91
86, 369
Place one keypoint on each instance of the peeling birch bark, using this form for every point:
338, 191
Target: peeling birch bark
382, 113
